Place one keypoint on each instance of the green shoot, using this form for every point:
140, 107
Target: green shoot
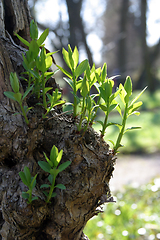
17, 96
130, 108
51, 166
72, 59
109, 103
30, 182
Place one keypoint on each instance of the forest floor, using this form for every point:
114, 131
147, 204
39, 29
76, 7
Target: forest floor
134, 170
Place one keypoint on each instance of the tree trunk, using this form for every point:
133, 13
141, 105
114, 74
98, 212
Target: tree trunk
122, 49
86, 179
146, 75
77, 32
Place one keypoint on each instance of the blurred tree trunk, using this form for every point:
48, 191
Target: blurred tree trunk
77, 32
86, 179
146, 76
122, 45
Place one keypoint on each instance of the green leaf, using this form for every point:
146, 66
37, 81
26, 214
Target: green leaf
22, 39
112, 107
81, 68
115, 124
98, 77
51, 53
136, 98
18, 97
10, 95
108, 88
14, 82
103, 107
34, 73
25, 195
59, 156
101, 123
42, 63
61, 186
122, 93
113, 96
104, 72
34, 49
103, 95
84, 87
43, 37
54, 172
132, 128
54, 155
47, 89
33, 30
134, 107
45, 193
45, 186
50, 179
64, 166
128, 86
119, 110
48, 62
23, 178
136, 113
50, 162
75, 57
65, 72
78, 84
25, 62
70, 53
26, 92
34, 198
66, 57
112, 142
45, 166
69, 81
33, 182
27, 174
54, 194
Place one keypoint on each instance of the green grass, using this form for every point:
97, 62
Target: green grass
135, 215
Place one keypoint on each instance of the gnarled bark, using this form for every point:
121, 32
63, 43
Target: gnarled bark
86, 179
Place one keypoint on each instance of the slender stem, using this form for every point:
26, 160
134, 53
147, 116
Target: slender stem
95, 111
30, 196
75, 99
24, 114
105, 121
89, 116
117, 145
29, 82
43, 91
82, 115
51, 190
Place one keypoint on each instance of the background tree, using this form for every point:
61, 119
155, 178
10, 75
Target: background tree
86, 179
72, 32
125, 42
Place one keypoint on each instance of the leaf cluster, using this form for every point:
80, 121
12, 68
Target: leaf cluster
17, 96
106, 97
36, 61
30, 182
52, 167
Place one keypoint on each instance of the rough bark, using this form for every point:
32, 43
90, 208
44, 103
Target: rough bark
86, 179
